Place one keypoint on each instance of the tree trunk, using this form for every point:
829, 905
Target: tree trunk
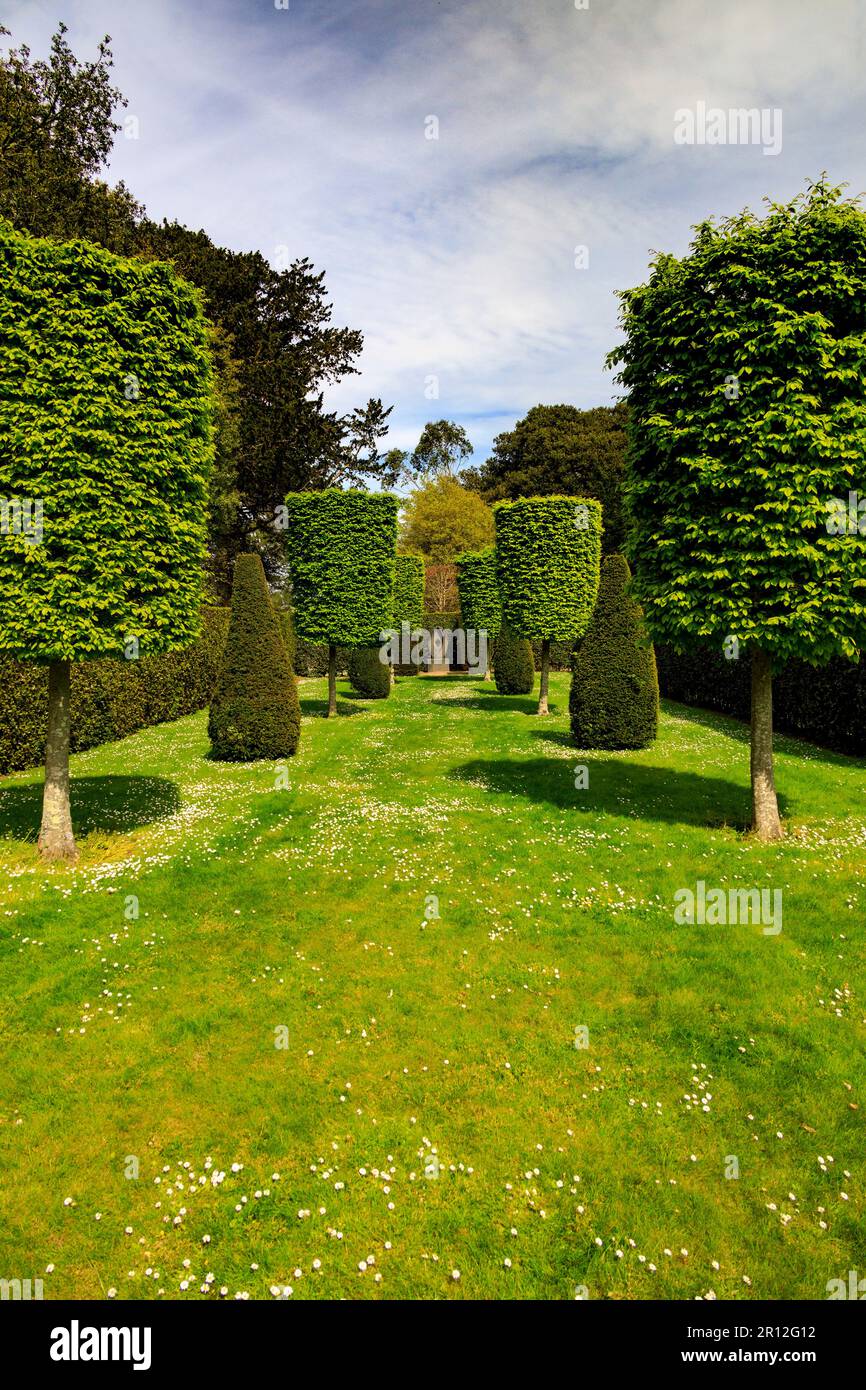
545, 674
332, 681
56, 840
765, 808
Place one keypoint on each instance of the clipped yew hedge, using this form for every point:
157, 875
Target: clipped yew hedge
311, 659
560, 655
255, 712
111, 698
614, 700
287, 628
448, 620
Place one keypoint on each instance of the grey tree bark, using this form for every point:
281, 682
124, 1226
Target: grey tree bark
765, 807
332, 681
56, 840
545, 676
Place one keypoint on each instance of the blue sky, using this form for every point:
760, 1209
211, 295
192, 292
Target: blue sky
304, 129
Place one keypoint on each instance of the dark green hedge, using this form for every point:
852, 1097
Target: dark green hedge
825, 705
287, 630
446, 620
513, 666
370, 676
614, 700
255, 712
110, 699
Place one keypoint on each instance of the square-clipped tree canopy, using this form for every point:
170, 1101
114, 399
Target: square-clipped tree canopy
480, 605
409, 590
341, 550
548, 556
745, 363
105, 424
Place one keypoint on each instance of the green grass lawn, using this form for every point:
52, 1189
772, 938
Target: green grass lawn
429, 1111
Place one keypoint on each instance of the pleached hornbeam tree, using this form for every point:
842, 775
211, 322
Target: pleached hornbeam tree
548, 556
106, 444
341, 550
744, 362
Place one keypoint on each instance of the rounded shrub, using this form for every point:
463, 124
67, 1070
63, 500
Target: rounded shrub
614, 699
513, 665
370, 676
255, 712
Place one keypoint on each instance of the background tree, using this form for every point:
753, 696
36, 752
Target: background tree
105, 423
561, 450
614, 700
547, 566
255, 712
440, 588
439, 453
57, 129
341, 553
745, 363
441, 519
480, 605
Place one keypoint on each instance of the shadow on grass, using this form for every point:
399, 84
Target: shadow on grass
710, 719
488, 698
561, 737
519, 704
619, 788
117, 804
318, 709
738, 730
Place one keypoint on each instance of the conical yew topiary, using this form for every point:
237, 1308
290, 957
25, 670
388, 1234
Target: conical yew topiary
614, 699
513, 664
255, 712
